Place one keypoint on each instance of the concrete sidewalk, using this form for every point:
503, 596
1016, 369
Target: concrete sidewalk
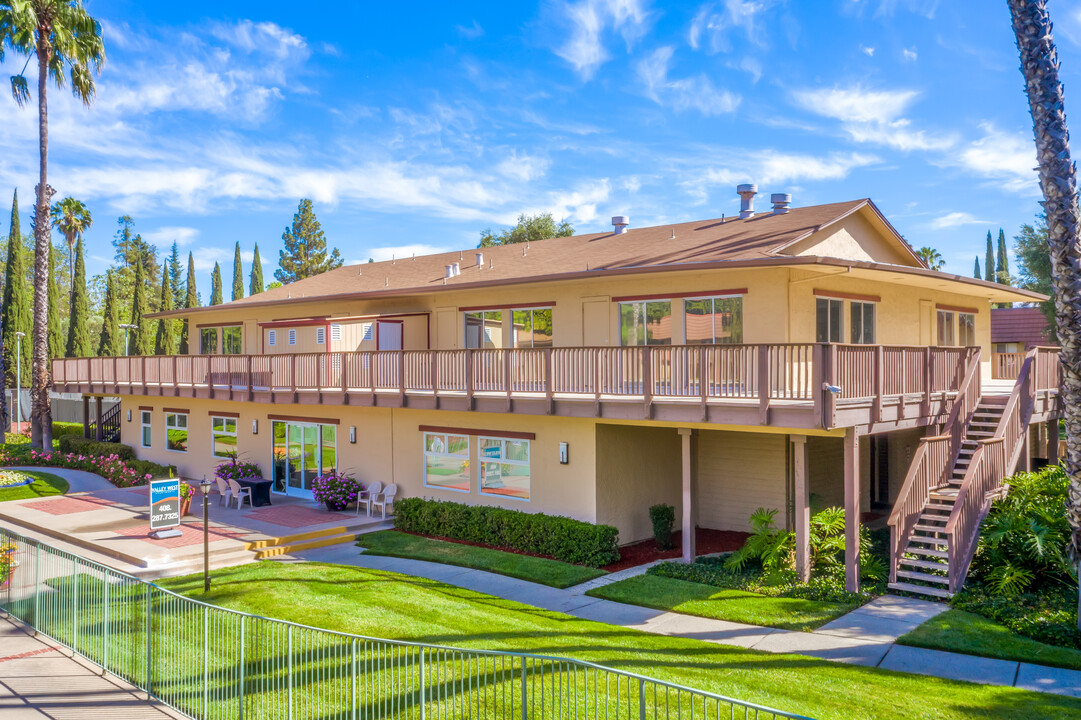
40, 681
866, 636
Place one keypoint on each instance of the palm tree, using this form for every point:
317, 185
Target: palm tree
67, 44
1058, 181
931, 258
72, 219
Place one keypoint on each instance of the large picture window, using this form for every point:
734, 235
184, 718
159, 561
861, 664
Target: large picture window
484, 329
176, 432
230, 340
711, 321
966, 329
504, 467
208, 341
223, 441
533, 328
446, 461
862, 323
645, 323
829, 317
145, 435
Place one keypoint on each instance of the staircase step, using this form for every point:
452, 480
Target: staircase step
928, 552
924, 527
924, 577
920, 589
925, 564
928, 540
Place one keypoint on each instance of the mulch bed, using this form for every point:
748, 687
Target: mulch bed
706, 542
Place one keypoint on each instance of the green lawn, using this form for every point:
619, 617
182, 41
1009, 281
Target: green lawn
46, 484
722, 604
972, 634
539, 570
383, 604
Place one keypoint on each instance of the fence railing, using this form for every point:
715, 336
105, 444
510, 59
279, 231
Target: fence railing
213, 663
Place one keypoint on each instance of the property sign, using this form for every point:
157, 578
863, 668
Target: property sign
490, 471
164, 503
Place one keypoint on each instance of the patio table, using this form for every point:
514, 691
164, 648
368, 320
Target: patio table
260, 490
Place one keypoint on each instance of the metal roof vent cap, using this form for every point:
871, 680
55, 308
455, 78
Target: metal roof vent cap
448, 272
457, 269
620, 223
480, 260
746, 194
780, 201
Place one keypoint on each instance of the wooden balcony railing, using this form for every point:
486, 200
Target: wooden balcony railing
1005, 366
824, 377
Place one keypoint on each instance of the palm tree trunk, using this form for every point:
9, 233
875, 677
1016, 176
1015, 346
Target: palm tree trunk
40, 413
1039, 65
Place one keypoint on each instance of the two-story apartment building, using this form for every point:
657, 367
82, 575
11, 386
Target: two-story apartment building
783, 359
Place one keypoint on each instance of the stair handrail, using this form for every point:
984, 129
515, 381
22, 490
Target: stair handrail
935, 457
995, 457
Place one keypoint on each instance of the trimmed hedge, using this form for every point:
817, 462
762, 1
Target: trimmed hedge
89, 446
67, 428
552, 536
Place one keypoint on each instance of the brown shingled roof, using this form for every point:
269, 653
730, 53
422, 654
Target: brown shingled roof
1019, 325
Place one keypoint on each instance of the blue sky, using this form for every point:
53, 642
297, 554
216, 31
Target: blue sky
414, 127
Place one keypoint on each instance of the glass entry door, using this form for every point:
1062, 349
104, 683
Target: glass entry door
302, 451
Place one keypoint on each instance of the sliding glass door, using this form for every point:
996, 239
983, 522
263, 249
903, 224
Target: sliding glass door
302, 452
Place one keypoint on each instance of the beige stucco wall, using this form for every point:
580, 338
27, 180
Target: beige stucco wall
739, 473
637, 467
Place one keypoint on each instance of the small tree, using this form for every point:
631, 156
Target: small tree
931, 258
305, 253
989, 261
165, 340
109, 343
1002, 267
15, 307
977, 274
78, 344
256, 285
530, 228
215, 285
175, 280
191, 300
71, 218
142, 339
55, 335
238, 275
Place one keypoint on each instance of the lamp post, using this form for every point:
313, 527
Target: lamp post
127, 344
19, 380
204, 487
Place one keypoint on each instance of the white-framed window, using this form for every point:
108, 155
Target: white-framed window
862, 323
504, 467
713, 320
145, 435
176, 432
335, 333
292, 336
532, 327
320, 335
272, 337
945, 327
645, 323
484, 329
829, 320
446, 461
966, 329
223, 436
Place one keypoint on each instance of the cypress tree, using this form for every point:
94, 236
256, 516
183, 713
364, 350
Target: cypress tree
141, 341
109, 344
174, 276
215, 285
15, 314
191, 300
1002, 269
165, 341
989, 261
256, 285
305, 252
54, 335
977, 274
238, 275
78, 344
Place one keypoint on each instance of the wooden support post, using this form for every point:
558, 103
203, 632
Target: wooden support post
86, 416
549, 380
647, 383
1026, 450
1052, 442
97, 411
876, 407
926, 404
686, 436
763, 385
852, 511
802, 507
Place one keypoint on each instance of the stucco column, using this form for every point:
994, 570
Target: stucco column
1052, 442
852, 511
802, 507
685, 437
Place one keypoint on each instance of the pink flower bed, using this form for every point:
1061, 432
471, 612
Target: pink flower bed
110, 467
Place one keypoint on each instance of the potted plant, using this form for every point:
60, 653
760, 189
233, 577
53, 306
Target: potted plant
336, 490
233, 469
187, 492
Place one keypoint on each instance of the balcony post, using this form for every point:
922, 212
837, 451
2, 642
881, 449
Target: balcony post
686, 436
763, 384
703, 380
469, 377
549, 379
86, 416
98, 435
293, 376
852, 510
927, 378
802, 507
597, 380
401, 378
508, 375
647, 382
1052, 442
877, 380
251, 379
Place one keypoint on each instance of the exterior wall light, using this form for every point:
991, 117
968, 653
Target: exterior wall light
254, 426
129, 415
353, 434
564, 453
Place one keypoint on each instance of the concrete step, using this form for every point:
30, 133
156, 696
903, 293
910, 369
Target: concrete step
925, 564
926, 552
920, 590
322, 541
924, 577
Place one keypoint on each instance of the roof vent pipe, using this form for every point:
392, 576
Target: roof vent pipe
780, 201
480, 260
457, 269
746, 200
620, 223
448, 272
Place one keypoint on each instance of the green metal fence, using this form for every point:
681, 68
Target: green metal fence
212, 663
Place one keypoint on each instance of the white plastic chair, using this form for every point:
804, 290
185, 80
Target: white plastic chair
385, 499
240, 493
224, 493
364, 497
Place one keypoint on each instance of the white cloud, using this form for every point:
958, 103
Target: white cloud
909, 54
691, 93
868, 51
591, 21
872, 116
523, 167
470, 32
1006, 159
164, 237
956, 219
770, 167
715, 22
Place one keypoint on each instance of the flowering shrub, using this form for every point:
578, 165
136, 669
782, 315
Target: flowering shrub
233, 470
11, 478
336, 489
187, 490
110, 467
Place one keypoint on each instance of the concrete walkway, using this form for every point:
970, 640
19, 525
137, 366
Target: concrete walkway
40, 681
866, 636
